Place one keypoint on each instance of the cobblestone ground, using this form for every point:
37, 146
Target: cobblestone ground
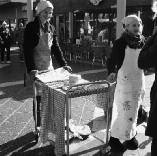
16, 121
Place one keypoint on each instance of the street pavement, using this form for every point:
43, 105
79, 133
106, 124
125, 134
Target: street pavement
16, 121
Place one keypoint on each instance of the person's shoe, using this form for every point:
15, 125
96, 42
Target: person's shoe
2, 62
8, 62
116, 145
131, 144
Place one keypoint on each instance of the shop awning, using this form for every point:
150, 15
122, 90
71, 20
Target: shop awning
86, 5
81, 5
62, 6
2, 2
139, 2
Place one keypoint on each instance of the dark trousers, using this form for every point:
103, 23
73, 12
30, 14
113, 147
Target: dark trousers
7, 48
2, 53
154, 147
21, 51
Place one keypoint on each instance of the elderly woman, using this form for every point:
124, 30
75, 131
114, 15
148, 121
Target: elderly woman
129, 90
40, 44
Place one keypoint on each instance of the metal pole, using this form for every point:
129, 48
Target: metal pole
30, 10
121, 11
70, 25
16, 18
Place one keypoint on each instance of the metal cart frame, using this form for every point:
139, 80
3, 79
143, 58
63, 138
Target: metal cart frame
83, 89
106, 89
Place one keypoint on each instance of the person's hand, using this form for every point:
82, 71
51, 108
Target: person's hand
68, 68
33, 74
111, 77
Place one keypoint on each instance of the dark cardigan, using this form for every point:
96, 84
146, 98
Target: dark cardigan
148, 59
117, 56
118, 51
31, 40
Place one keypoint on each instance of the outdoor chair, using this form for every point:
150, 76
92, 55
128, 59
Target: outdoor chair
86, 49
76, 52
68, 51
99, 54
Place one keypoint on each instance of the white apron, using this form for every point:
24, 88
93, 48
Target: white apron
128, 96
43, 60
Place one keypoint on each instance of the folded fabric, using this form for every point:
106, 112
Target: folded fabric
59, 74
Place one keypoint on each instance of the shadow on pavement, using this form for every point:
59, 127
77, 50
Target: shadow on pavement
11, 72
16, 91
23, 147
43, 151
89, 150
25, 142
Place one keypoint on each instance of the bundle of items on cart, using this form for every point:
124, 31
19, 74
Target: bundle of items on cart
60, 74
61, 78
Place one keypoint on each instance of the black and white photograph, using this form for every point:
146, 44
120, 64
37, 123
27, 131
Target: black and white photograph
78, 77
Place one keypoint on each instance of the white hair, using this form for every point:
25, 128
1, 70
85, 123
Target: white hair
130, 18
42, 5
154, 9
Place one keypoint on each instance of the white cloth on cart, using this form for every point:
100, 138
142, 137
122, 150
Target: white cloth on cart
59, 74
128, 96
